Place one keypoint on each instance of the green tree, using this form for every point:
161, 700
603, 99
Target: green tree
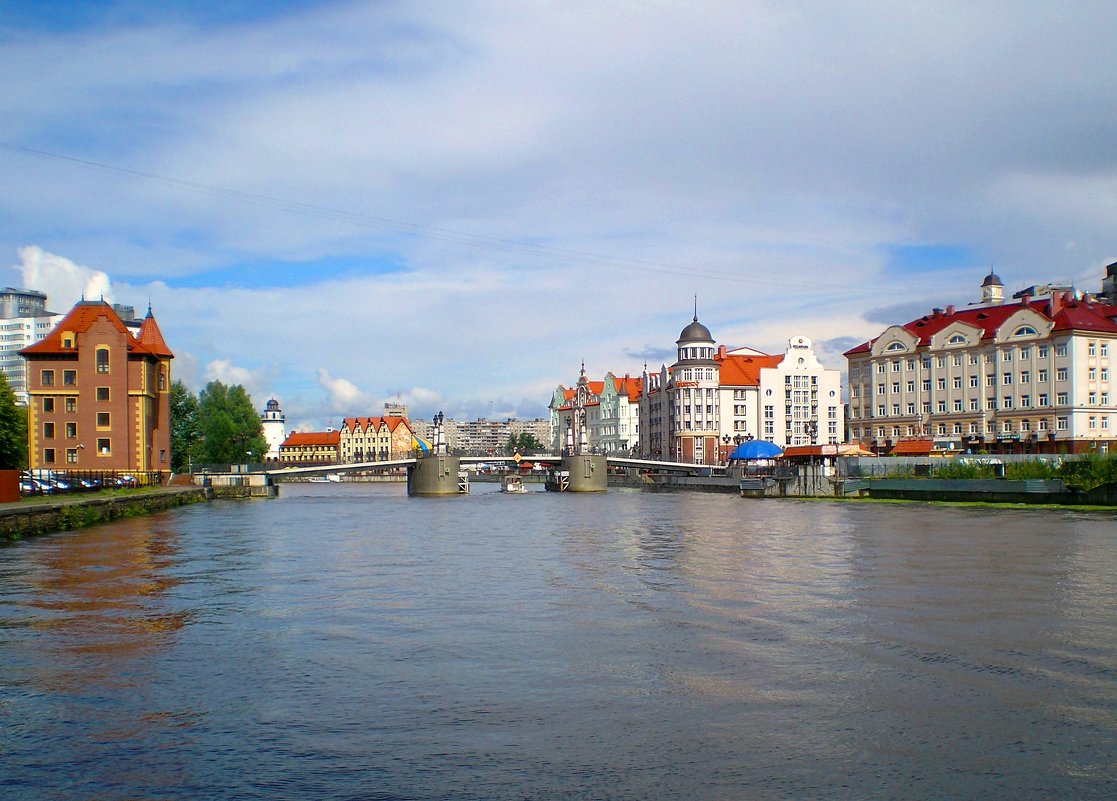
186, 438
523, 443
229, 425
13, 429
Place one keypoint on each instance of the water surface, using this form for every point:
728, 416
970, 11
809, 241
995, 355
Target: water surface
347, 642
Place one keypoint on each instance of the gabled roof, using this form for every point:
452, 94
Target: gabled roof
79, 320
375, 423
305, 439
1066, 314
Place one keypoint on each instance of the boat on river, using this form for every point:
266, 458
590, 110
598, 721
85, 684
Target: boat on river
512, 483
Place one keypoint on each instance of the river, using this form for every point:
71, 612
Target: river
347, 642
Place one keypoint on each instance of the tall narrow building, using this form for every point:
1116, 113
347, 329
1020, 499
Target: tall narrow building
99, 395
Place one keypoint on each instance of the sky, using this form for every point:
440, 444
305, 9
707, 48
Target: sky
455, 205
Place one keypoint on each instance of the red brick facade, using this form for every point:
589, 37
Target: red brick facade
99, 395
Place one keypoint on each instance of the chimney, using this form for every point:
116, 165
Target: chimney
721, 351
950, 310
1025, 299
1056, 304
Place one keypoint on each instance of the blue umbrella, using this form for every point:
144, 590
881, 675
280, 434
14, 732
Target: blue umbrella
756, 449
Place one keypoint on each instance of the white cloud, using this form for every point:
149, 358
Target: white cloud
64, 282
549, 185
343, 396
223, 370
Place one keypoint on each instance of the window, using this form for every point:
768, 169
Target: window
71, 404
911, 386
1007, 378
1025, 353
69, 378
1025, 377
102, 393
1092, 374
957, 382
958, 405
1105, 350
1006, 356
1105, 374
46, 377
1024, 331
895, 346
1041, 376
895, 386
72, 455
1093, 399
926, 385
1008, 402
1043, 399
957, 339
102, 360
1061, 398
1042, 352
48, 405
895, 365
1042, 426
48, 455
973, 381
103, 420
1061, 350
71, 431
1061, 374
942, 407
1093, 422
163, 378
1092, 349
880, 389
48, 430
941, 383
1025, 401
104, 446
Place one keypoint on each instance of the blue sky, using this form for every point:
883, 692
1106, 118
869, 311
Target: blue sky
456, 204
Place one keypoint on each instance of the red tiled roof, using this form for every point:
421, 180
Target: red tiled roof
152, 338
921, 446
78, 320
743, 371
1069, 315
303, 439
375, 423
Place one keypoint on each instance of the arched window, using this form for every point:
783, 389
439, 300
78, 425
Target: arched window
102, 360
957, 339
896, 346
1025, 331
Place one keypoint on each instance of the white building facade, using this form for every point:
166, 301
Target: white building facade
1032, 374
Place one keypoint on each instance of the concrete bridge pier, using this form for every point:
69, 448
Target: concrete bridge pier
437, 474
580, 473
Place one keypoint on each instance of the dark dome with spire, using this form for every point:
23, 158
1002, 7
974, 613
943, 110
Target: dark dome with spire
992, 280
695, 332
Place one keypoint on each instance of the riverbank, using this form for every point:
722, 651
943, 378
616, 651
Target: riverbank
42, 515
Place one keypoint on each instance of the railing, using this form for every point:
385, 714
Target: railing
61, 482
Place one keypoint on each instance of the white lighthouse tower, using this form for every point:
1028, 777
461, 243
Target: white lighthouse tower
274, 423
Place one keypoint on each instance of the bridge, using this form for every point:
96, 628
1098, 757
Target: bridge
679, 468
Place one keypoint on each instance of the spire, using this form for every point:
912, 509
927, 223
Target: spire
152, 338
696, 308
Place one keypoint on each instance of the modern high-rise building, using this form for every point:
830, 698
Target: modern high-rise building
24, 319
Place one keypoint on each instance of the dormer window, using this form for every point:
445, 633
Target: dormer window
1025, 331
957, 339
896, 346
68, 340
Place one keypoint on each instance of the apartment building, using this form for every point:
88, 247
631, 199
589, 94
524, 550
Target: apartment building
24, 320
612, 413
99, 395
1026, 375
375, 439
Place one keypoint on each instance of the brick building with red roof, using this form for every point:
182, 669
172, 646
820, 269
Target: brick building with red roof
99, 396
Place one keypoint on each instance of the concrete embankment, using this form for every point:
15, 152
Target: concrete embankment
43, 515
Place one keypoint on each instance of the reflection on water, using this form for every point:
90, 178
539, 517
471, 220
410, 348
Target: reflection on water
345, 641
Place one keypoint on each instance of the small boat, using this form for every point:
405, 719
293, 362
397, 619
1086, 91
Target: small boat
329, 478
512, 483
